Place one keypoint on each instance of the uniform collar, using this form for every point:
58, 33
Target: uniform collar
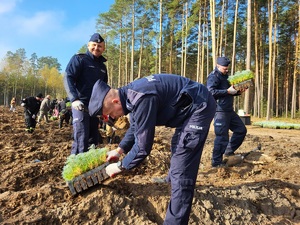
221, 74
123, 98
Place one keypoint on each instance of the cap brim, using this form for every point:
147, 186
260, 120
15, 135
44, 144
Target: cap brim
99, 92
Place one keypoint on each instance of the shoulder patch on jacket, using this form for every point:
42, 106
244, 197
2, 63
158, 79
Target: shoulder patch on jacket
81, 54
134, 96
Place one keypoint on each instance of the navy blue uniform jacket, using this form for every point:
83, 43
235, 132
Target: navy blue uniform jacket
218, 84
81, 74
153, 101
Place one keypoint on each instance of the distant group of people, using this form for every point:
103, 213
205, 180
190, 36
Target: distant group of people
39, 108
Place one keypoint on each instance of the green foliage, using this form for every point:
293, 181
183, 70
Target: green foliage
53, 118
277, 125
83, 49
83, 162
23, 77
241, 76
49, 61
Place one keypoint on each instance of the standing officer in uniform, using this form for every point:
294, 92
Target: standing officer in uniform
160, 100
31, 108
82, 72
225, 118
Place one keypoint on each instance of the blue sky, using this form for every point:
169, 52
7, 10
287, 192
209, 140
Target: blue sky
57, 28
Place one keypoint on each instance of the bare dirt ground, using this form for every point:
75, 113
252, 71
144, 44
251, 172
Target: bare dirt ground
263, 189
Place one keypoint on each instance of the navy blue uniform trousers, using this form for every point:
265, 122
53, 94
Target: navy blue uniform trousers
187, 146
223, 122
85, 131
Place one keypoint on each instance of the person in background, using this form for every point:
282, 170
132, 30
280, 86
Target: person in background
31, 108
53, 104
61, 104
160, 100
81, 74
65, 112
13, 104
44, 109
225, 118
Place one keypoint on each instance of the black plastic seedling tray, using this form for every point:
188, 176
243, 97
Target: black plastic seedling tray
88, 179
243, 85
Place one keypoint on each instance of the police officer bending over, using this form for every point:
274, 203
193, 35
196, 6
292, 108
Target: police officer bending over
160, 100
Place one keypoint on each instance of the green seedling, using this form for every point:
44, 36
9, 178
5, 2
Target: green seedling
240, 77
83, 162
277, 125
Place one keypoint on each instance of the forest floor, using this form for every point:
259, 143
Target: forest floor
263, 189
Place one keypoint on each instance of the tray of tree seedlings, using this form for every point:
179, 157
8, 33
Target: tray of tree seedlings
242, 79
85, 170
277, 125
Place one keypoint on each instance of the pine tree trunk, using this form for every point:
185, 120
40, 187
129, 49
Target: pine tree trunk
213, 31
234, 37
257, 111
270, 80
296, 69
141, 53
132, 42
248, 57
160, 35
199, 77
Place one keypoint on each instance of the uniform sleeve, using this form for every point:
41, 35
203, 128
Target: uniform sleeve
105, 78
144, 121
128, 140
71, 74
213, 87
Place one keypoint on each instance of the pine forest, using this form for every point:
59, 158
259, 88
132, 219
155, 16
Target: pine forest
185, 37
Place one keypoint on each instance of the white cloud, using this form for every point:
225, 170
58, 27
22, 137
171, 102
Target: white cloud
81, 32
7, 5
40, 23
44, 30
